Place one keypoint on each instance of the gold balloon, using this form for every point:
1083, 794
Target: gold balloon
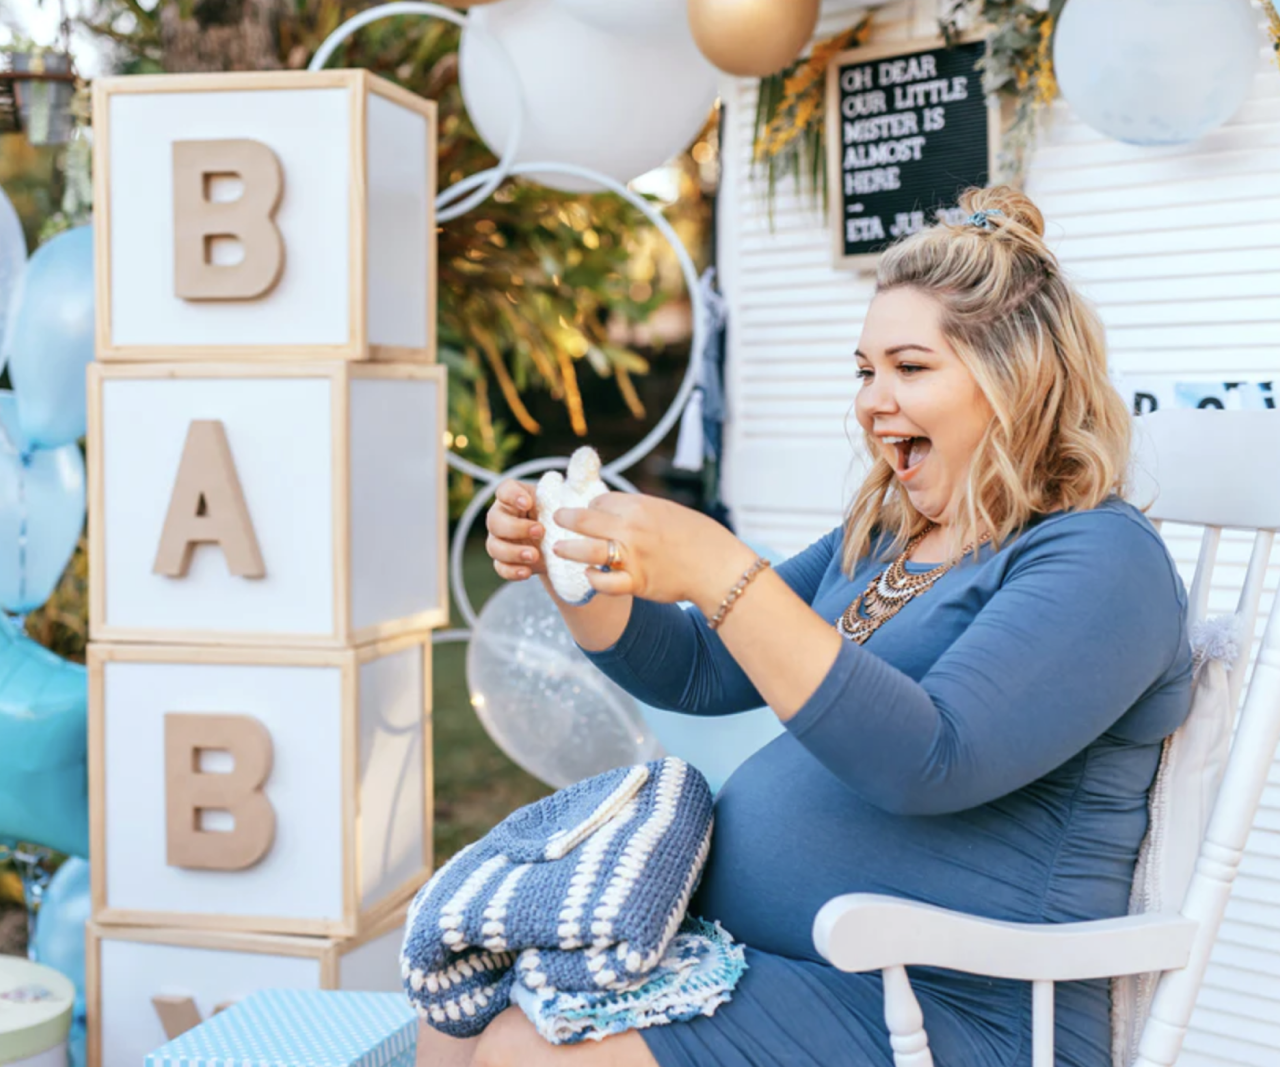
752, 38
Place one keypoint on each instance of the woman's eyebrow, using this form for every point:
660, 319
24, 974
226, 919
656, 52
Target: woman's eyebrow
896, 350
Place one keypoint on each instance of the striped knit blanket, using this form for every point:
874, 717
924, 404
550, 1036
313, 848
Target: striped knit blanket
580, 892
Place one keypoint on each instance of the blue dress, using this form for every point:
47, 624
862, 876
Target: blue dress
989, 749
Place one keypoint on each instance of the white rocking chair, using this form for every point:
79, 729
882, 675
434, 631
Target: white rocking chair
1180, 456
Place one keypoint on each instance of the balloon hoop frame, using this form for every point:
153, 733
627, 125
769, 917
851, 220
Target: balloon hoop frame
468, 194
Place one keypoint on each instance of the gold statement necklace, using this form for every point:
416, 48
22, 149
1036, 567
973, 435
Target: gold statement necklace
892, 589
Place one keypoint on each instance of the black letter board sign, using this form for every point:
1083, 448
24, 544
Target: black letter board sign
907, 131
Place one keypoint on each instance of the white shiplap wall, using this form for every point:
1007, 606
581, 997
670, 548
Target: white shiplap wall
1179, 248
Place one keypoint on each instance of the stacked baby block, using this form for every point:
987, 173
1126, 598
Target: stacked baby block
267, 540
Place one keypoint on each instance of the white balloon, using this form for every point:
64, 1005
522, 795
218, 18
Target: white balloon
619, 105
1154, 72
541, 700
653, 19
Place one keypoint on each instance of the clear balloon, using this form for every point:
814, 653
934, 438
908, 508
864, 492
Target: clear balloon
42, 494
13, 257
44, 790
652, 19
48, 339
1153, 72
621, 105
541, 700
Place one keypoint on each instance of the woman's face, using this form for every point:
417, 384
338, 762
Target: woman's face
919, 400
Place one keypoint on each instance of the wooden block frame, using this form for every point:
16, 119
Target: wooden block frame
341, 374
326, 952
359, 83
355, 921
868, 54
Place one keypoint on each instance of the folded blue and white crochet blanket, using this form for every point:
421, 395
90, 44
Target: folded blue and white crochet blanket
581, 892
697, 974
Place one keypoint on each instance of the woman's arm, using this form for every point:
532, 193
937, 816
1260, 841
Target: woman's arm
669, 657
1089, 617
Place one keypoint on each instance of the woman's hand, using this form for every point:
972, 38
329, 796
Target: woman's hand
667, 553
514, 533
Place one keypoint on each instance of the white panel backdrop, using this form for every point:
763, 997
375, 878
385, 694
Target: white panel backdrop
1180, 249
301, 877
280, 434
133, 972
309, 131
397, 219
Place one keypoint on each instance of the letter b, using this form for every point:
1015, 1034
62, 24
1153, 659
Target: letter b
198, 219
190, 791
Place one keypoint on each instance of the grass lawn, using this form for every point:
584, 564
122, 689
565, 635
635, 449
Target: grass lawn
476, 784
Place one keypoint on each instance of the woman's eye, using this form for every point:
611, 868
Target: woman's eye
862, 374
909, 368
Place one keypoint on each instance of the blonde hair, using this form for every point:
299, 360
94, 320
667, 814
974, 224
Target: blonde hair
1060, 434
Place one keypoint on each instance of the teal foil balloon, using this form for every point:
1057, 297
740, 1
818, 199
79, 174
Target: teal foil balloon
48, 339
44, 789
13, 257
42, 495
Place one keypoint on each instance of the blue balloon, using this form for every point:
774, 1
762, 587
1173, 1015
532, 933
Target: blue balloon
44, 782
716, 744
59, 939
13, 257
48, 339
41, 513
59, 936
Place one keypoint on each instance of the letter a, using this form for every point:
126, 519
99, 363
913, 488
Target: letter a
198, 220
180, 1014
207, 507
188, 791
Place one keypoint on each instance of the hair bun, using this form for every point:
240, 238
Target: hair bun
1014, 205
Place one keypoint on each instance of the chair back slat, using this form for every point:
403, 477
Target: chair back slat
1198, 603
1247, 609
1177, 470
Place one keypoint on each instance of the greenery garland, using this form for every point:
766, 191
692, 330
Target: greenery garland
790, 121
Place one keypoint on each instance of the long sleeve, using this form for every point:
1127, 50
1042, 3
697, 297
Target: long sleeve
670, 658
1088, 618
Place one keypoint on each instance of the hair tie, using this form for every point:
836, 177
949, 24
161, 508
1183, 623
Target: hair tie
981, 219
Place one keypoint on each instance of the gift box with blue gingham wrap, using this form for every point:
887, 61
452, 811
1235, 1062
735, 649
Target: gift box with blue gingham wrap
299, 1028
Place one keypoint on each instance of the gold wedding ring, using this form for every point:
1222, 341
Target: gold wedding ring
614, 562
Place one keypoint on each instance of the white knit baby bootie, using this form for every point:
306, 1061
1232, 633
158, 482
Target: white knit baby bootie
583, 485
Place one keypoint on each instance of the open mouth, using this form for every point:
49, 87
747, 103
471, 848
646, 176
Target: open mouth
911, 453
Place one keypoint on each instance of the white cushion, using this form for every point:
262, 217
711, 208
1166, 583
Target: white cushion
1181, 802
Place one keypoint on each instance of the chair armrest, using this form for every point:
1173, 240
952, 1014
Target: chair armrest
869, 932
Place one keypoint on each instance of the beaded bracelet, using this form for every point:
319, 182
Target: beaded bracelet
727, 603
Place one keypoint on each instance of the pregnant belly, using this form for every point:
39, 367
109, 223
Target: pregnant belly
789, 836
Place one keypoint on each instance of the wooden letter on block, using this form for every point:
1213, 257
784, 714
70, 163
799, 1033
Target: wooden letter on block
189, 791
180, 1014
207, 507
198, 220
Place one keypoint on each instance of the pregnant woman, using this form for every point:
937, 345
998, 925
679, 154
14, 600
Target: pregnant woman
975, 671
